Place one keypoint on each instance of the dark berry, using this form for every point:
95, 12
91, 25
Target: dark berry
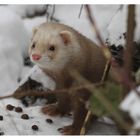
25, 116
59, 129
35, 127
18, 109
10, 107
1, 118
49, 121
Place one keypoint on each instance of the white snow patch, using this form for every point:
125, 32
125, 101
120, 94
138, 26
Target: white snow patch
38, 75
24, 10
118, 26
81, 24
102, 13
14, 125
11, 67
12, 28
14, 40
31, 23
131, 104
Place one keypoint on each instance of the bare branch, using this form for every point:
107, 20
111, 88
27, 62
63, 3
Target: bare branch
20, 94
128, 53
53, 12
50, 15
80, 12
91, 19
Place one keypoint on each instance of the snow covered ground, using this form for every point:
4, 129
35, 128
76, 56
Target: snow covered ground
12, 123
131, 104
14, 40
15, 33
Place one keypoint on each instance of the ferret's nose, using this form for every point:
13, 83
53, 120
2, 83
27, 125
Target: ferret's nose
36, 57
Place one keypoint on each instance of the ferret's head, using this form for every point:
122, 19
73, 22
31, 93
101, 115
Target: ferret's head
53, 47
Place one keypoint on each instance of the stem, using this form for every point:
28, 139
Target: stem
91, 19
8, 96
128, 53
45, 94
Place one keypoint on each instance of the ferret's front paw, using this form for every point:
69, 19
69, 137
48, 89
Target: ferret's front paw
69, 130
51, 110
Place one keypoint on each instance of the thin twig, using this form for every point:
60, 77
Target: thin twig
106, 71
8, 96
80, 12
91, 19
83, 128
50, 15
53, 12
45, 94
47, 13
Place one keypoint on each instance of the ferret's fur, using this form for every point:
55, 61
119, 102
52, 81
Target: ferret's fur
71, 50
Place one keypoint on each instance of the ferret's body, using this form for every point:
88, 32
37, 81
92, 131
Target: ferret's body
57, 49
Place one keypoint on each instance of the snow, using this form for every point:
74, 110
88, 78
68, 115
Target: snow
27, 10
14, 41
13, 28
9, 66
131, 105
31, 23
15, 33
14, 125
101, 14
38, 75
118, 26
119, 22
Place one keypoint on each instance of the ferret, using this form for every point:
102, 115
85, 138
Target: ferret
57, 48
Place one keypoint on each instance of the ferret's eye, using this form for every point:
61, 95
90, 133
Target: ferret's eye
51, 48
33, 46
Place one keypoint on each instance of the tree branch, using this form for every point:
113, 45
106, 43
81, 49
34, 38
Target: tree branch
20, 94
128, 53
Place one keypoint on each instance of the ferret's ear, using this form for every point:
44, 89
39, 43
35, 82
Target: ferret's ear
66, 36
